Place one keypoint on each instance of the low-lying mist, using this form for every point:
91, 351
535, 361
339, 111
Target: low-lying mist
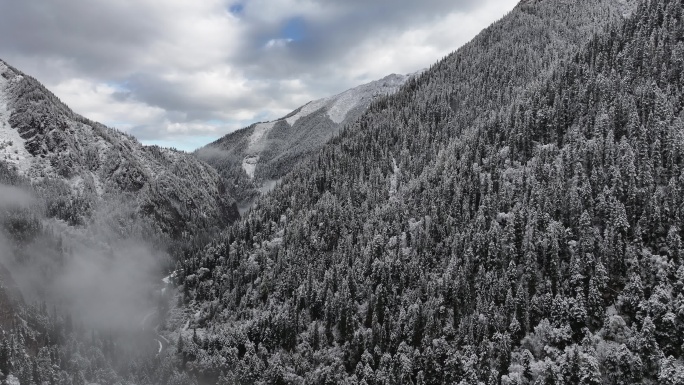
13, 197
100, 279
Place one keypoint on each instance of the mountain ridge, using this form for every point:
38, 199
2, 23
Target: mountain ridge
263, 152
87, 162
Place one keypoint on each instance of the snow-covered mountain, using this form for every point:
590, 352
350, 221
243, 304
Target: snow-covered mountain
256, 156
511, 217
86, 171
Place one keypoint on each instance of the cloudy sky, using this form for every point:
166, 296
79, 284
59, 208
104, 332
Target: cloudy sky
184, 72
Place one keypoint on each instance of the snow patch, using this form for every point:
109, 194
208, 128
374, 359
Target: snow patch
337, 108
167, 279
343, 103
393, 178
308, 109
12, 147
75, 183
627, 7
99, 188
249, 164
413, 223
268, 185
255, 140
273, 243
256, 145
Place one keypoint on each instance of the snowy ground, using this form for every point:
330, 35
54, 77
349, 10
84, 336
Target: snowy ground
256, 140
308, 109
394, 179
628, 7
268, 185
249, 164
256, 144
340, 105
12, 147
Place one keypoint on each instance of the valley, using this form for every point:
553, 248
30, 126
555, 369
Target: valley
510, 215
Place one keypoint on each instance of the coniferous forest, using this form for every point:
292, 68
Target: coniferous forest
509, 217
513, 215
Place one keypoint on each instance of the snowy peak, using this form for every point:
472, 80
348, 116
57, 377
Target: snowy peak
338, 106
342, 104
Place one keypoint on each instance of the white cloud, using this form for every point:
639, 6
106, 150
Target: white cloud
418, 47
177, 69
98, 102
278, 43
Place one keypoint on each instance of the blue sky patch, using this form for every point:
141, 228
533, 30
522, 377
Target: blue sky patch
294, 29
236, 9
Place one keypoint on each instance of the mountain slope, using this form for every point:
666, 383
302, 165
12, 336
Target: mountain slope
438, 239
82, 168
266, 151
88, 218
43, 337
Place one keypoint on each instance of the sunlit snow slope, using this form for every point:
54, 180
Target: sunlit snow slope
264, 152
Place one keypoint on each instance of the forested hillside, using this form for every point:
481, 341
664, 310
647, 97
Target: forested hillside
47, 337
512, 216
88, 220
86, 171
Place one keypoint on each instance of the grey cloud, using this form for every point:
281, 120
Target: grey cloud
109, 42
107, 287
103, 281
329, 39
97, 36
122, 96
150, 132
153, 90
145, 132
